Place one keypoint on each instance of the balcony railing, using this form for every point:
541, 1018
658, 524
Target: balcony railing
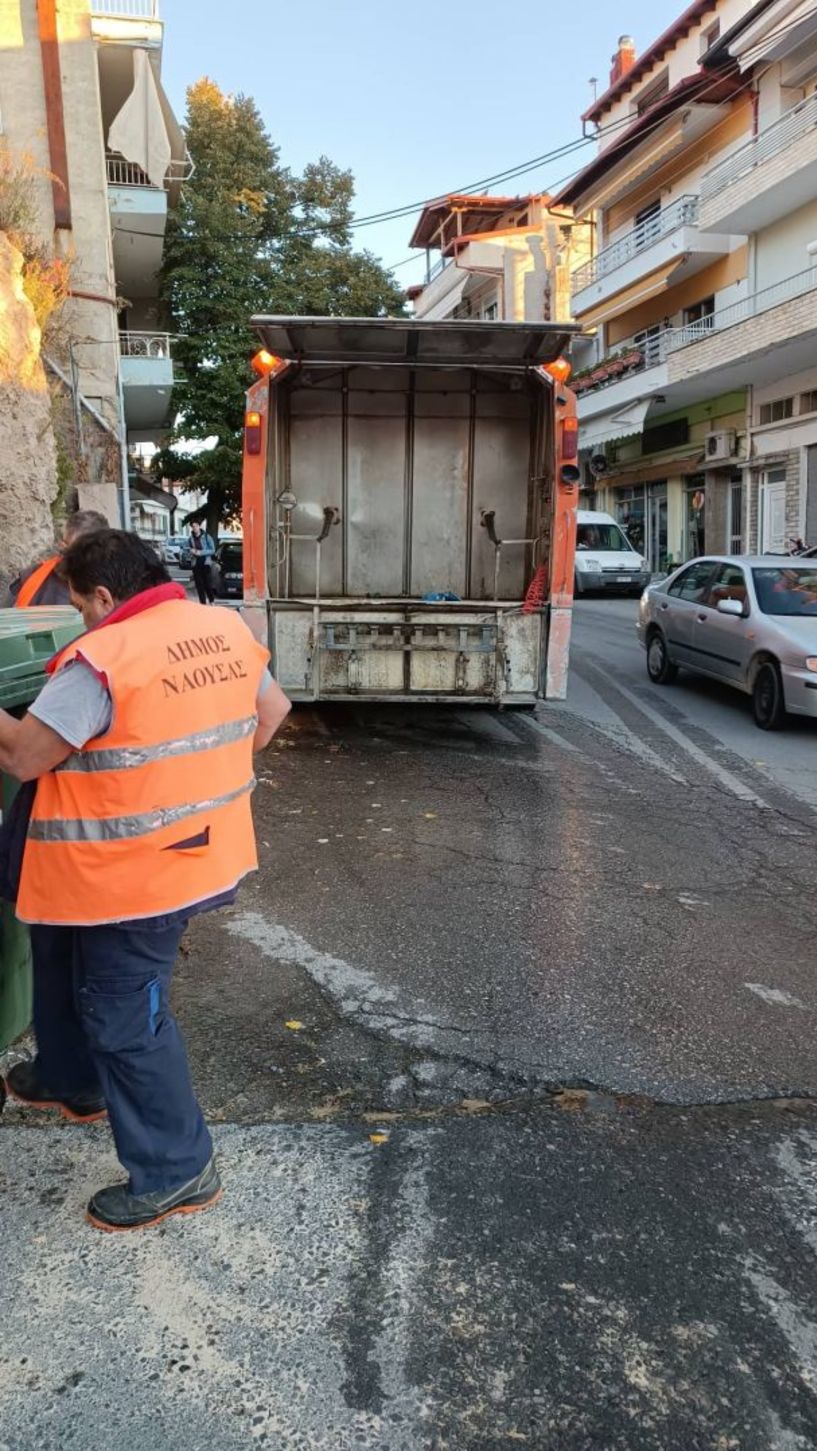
129, 9
748, 307
439, 266
127, 173
632, 355
145, 345
776, 138
681, 213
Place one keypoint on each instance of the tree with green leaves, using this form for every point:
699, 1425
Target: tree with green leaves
248, 236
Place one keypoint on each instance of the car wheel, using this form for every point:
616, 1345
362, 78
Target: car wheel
577, 587
660, 668
768, 700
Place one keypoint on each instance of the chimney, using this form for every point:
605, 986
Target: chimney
624, 58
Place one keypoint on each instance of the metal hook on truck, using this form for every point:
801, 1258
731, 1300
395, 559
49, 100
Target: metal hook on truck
379, 455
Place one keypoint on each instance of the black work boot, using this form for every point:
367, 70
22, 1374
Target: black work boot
117, 1209
24, 1084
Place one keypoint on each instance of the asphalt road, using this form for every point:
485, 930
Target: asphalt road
509, 1052
609, 686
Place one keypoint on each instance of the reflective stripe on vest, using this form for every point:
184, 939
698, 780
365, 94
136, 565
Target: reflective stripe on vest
30, 587
125, 828
128, 758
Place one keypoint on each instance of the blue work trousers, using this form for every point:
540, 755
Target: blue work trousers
103, 1024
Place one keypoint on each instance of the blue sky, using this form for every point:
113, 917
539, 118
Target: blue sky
415, 101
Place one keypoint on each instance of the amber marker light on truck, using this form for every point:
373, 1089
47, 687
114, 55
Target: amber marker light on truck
560, 370
265, 363
252, 432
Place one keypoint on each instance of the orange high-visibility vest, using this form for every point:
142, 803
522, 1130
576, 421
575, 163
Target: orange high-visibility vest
29, 588
154, 816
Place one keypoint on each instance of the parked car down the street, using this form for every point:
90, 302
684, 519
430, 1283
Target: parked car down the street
605, 558
173, 548
229, 570
749, 621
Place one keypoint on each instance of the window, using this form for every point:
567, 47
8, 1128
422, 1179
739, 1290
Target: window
709, 36
808, 402
702, 313
736, 514
778, 410
693, 583
490, 312
665, 435
652, 93
729, 583
648, 224
787, 591
601, 538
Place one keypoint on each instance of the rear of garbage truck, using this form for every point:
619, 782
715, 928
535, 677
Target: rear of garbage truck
409, 500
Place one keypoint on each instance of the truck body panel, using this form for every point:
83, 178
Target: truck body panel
406, 489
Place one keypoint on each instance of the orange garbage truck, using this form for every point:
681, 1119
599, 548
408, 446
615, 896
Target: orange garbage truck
409, 502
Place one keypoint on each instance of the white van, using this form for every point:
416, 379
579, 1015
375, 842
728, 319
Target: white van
605, 558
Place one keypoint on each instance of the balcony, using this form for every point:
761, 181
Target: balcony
763, 337
772, 175
147, 383
665, 247
138, 221
130, 22
615, 395
129, 9
449, 278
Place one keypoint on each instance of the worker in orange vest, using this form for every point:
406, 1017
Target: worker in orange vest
141, 744
42, 583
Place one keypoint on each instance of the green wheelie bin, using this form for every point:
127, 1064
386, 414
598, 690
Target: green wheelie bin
28, 639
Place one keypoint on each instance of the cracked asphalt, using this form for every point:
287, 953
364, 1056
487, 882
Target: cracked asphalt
508, 1051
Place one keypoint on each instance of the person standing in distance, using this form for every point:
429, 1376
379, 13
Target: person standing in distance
141, 744
42, 583
203, 550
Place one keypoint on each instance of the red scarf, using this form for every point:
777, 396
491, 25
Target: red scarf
158, 594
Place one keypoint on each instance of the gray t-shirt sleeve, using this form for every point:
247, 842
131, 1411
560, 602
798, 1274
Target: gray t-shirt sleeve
75, 704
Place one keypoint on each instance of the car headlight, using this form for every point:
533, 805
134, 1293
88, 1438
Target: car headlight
585, 563
811, 663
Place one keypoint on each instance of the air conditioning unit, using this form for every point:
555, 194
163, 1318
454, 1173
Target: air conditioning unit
721, 447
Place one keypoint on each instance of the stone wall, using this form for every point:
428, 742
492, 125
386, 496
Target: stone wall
28, 454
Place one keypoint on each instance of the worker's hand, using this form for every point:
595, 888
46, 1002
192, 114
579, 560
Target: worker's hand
272, 707
28, 748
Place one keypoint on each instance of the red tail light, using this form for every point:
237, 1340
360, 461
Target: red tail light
252, 432
570, 438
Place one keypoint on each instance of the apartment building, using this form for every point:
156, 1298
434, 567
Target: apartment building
81, 102
506, 259
700, 292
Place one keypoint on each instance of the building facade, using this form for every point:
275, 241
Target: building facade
81, 103
700, 294
504, 259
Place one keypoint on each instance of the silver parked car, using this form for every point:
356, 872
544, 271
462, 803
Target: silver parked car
749, 621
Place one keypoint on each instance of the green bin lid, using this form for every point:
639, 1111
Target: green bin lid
28, 639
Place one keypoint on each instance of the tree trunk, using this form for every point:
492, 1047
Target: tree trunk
215, 500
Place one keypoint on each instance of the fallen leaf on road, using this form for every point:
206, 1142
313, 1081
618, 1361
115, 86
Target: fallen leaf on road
571, 1100
430, 815
294, 1025
378, 1139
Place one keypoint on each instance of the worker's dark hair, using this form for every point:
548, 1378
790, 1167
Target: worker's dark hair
84, 521
122, 562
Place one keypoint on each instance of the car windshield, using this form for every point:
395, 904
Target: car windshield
232, 559
789, 590
601, 537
